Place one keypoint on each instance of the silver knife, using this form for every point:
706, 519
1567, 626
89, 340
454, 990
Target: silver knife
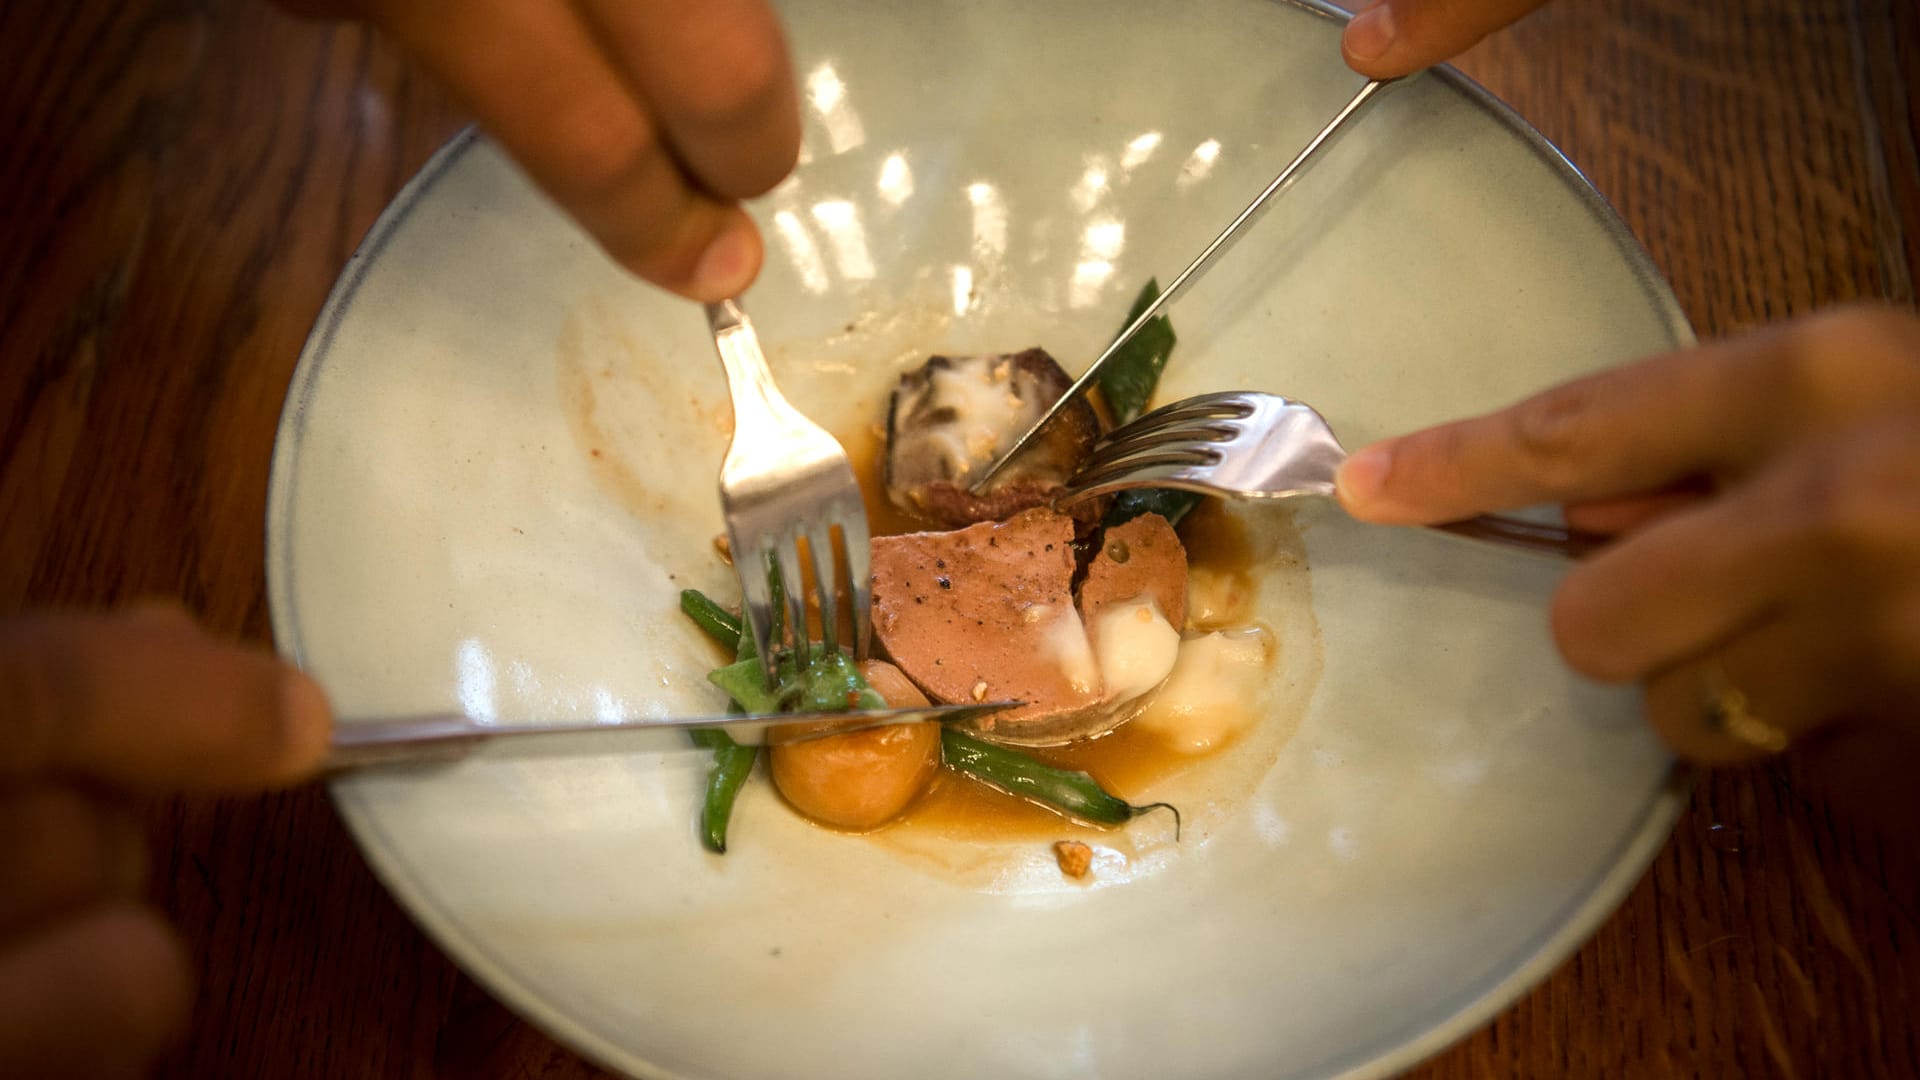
430, 737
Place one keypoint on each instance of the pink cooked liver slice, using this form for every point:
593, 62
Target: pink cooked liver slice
1143, 557
954, 610
951, 609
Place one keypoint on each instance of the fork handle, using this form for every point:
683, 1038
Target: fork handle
749, 380
1527, 535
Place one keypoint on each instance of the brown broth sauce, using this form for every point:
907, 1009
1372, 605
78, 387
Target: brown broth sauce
1126, 761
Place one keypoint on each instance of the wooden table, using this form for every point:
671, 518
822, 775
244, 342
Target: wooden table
181, 181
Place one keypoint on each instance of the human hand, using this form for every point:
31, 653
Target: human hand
1389, 38
647, 120
1765, 496
92, 983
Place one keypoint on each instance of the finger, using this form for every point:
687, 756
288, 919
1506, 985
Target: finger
1706, 413
541, 84
1631, 513
60, 851
1633, 429
102, 994
1828, 528
1756, 695
719, 83
1671, 590
1399, 37
152, 702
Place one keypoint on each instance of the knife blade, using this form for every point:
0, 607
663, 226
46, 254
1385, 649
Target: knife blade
438, 737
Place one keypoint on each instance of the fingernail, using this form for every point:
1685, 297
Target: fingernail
306, 722
1370, 33
1364, 476
726, 267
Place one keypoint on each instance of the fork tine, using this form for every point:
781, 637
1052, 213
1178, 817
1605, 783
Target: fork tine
756, 601
788, 554
1229, 405
781, 467
1111, 480
1211, 429
1172, 417
1202, 443
1238, 403
1117, 470
858, 548
820, 556
1148, 456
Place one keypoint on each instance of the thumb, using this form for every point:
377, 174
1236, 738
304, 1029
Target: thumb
1398, 37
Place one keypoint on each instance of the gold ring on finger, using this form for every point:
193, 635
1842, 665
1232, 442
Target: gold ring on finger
1728, 711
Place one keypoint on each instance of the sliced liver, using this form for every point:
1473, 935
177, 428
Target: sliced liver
951, 609
1143, 557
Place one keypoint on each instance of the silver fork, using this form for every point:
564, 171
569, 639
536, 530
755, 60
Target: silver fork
785, 481
1263, 446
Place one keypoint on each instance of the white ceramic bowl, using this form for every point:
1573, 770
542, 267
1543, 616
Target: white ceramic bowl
496, 469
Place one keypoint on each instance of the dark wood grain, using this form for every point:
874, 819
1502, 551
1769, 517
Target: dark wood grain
181, 180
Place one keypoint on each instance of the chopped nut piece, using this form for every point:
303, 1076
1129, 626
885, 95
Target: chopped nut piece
980, 690
1074, 857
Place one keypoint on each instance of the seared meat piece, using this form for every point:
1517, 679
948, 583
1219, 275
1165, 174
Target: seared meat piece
986, 613
954, 416
1139, 558
1134, 602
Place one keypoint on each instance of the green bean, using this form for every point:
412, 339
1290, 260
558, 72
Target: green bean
1169, 503
1127, 383
732, 763
1069, 791
746, 684
720, 624
829, 683
1131, 375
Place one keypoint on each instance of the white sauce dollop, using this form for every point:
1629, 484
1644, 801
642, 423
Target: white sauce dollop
1212, 694
1136, 647
1067, 646
1216, 599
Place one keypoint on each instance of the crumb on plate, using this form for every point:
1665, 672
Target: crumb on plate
1074, 857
